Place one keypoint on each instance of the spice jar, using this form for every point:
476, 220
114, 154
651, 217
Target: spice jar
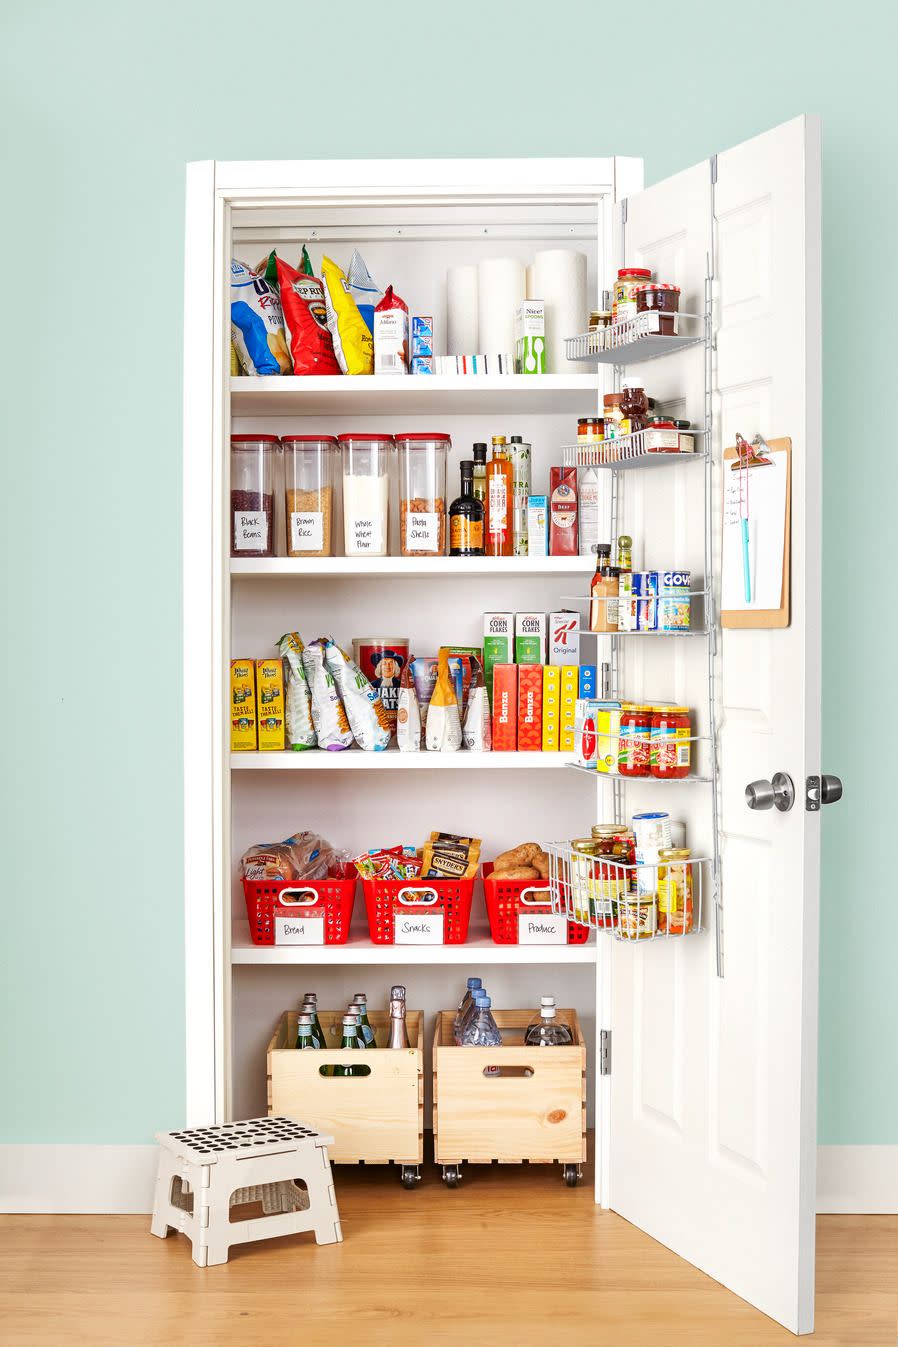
675, 906
422, 494
634, 755
629, 280
252, 495
633, 406
310, 478
663, 300
671, 743
366, 494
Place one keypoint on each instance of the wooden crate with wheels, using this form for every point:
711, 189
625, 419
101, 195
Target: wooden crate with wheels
511, 1103
375, 1117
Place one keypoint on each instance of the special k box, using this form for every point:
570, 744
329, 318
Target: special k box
551, 707
564, 638
270, 703
530, 707
570, 691
505, 708
243, 706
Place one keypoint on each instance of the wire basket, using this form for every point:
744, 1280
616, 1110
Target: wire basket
308, 912
511, 904
642, 901
418, 911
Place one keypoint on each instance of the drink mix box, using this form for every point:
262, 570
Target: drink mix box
530, 638
270, 703
243, 706
498, 638
538, 526
570, 687
564, 637
551, 707
505, 708
530, 707
585, 732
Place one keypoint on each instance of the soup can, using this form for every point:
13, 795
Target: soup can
674, 602
382, 659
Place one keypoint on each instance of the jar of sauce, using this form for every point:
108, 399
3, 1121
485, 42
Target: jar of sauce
629, 280
611, 403
671, 755
633, 407
663, 300
675, 904
590, 429
634, 755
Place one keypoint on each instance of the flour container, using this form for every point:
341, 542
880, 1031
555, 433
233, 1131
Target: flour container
366, 494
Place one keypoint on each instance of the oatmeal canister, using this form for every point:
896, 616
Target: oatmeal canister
382, 659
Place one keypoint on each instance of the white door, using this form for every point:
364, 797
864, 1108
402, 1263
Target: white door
712, 1139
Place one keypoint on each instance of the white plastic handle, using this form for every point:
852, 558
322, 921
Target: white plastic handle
287, 896
542, 900
417, 902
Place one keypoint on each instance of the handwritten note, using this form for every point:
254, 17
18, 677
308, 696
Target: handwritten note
763, 490
418, 928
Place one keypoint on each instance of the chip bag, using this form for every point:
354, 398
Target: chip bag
305, 315
443, 729
353, 342
300, 729
477, 733
268, 267
328, 713
363, 288
367, 717
408, 713
257, 323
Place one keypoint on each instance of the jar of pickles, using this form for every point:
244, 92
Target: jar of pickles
634, 755
584, 880
675, 905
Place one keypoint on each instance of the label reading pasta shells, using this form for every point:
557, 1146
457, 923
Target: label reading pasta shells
307, 531
422, 531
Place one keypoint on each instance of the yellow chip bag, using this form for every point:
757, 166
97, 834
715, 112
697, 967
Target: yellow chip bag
353, 343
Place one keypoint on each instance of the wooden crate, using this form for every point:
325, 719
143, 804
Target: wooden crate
514, 1116
377, 1118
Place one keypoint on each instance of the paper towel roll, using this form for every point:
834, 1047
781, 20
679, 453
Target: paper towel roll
500, 289
559, 280
461, 311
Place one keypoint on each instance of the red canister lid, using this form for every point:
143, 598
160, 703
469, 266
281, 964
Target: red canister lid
419, 435
308, 439
356, 435
634, 274
253, 439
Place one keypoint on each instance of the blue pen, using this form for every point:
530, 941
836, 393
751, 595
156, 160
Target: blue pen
746, 568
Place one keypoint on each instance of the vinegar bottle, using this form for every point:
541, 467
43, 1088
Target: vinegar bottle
500, 501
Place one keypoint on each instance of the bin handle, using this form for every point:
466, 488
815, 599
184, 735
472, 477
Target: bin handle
417, 902
291, 899
544, 899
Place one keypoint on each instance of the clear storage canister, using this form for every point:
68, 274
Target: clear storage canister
252, 495
422, 494
310, 478
366, 494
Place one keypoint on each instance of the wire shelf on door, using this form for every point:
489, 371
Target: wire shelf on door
636, 339
649, 448
648, 901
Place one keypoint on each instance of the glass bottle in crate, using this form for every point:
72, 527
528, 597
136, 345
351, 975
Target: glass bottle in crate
398, 1026
548, 1032
304, 1039
468, 1015
310, 1008
349, 1040
474, 985
544, 1001
481, 1030
361, 1001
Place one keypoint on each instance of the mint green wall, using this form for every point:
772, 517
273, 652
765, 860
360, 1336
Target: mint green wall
102, 105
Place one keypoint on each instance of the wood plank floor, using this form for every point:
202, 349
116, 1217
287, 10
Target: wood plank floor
511, 1257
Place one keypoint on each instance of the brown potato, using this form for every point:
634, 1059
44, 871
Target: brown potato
518, 872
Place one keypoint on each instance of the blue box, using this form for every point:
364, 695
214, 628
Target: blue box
588, 680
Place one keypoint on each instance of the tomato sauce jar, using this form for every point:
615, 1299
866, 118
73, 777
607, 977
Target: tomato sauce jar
671, 755
634, 756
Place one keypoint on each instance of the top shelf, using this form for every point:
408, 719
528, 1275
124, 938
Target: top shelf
410, 394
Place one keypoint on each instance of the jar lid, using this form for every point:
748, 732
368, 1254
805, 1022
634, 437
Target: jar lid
253, 439
612, 399
420, 436
309, 439
673, 710
657, 285
674, 853
633, 381
634, 274
377, 438
661, 423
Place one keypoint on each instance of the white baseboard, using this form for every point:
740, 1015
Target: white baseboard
115, 1179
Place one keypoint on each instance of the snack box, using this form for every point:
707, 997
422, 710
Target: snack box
538, 526
391, 341
530, 707
551, 707
243, 706
530, 337
570, 685
422, 335
505, 708
564, 637
585, 732
588, 680
270, 703
422, 364
608, 735
498, 638
530, 638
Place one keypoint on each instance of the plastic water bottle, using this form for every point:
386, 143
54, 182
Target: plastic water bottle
547, 1031
481, 1031
537, 1021
474, 985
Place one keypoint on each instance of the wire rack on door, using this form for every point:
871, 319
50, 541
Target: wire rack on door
650, 900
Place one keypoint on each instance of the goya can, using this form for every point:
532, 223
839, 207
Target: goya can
674, 602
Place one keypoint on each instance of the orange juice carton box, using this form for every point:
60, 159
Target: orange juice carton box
570, 690
530, 707
564, 638
551, 707
270, 702
529, 638
243, 706
505, 708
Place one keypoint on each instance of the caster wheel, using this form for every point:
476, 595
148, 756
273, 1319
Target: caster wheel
451, 1175
571, 1175
409, 1176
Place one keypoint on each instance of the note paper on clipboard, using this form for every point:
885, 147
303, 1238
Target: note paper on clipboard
755, 562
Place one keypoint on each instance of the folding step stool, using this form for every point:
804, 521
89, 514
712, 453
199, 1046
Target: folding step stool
204, 1171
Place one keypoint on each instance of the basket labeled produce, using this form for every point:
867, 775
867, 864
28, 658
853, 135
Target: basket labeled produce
519, 901
421, 898
298, 892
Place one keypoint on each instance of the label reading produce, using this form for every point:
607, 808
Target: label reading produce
298, 930
418, 928
366, 533
250, 531
307, 532
422, 531
537, 929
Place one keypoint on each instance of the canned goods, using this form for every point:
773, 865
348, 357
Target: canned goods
652, 832
674, 602
584, 879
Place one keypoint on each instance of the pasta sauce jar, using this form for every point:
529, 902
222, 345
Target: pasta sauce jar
671, 755
634, 756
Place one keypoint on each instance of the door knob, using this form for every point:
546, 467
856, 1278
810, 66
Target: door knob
822, 790
778, 793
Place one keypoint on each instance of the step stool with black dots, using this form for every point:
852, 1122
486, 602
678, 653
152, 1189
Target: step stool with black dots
205, 1171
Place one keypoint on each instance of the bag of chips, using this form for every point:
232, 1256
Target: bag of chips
257, 323
478, 734
305, 314
268, 267
353, 342
328, 713
443, 730
363, 288
367, 717
408, 713
447, 856
300, 730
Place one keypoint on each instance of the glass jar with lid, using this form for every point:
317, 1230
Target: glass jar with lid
629, 280
310, 482
675, 890
366, 494
635, 752
253, 459
422, 494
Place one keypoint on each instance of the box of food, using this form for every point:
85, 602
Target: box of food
505, 708
551, 707
570, 686
530, 337
498, 639
422, 364
422, 335
270, 703
563, 535
608, 736
588, 680
585, 733
564, 637
530, 638
243, 706
538, 526
530, 707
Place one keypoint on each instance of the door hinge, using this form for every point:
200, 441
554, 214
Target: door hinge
623, 211
605, 1052
713, 168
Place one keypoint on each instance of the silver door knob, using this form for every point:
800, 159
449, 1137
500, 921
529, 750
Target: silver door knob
822, 790
778, 793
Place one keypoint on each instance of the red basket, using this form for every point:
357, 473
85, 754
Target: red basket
508, 899
327, 899
387, 899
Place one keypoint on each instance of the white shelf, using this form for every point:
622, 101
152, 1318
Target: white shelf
478, 950
355, 760
411, 395
262, 568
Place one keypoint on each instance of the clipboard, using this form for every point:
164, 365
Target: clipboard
767, 617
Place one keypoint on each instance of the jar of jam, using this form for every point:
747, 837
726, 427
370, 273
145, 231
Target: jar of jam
675, 908
611, 403
634, 755
664, 300
590, 429
671, 755
633, 406
599, 318
629, 280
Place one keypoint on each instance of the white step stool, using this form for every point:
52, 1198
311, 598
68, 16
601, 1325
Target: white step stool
205, 1171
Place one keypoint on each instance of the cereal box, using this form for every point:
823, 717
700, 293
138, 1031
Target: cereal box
505, 708
270, 700
551, 707
570, 684
608, 735
530, 707
498, 636
585, 732
243, 706
529, 638
564, 637
587, 680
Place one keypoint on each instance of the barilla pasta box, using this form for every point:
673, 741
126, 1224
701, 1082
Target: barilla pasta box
243, 706
270, 703
551, 707
530, 707
570, 686
608, 735
505, 708
529, 638
498, 638
587, 680
564, 637
586, 737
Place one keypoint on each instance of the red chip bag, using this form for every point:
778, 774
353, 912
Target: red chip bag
305, 317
